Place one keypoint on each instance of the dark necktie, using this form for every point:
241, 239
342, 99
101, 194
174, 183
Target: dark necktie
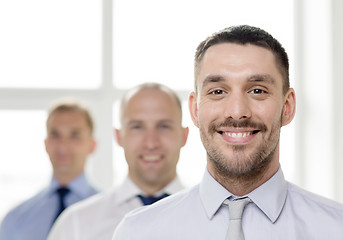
151, 200
61, 192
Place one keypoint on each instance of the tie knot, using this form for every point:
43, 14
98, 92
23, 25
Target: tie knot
151, 200
62, 191
236, 207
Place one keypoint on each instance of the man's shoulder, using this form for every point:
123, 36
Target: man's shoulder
24, 208
314, 202
168, 207
170, 214
101, 199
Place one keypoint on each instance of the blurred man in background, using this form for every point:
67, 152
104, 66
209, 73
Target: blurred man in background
151, 135
68, 143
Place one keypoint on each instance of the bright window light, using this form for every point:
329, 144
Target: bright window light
155, 40
50, 44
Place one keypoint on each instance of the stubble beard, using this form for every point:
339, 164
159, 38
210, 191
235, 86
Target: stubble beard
240, 166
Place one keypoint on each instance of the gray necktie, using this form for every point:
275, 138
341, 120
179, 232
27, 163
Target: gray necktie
236, 208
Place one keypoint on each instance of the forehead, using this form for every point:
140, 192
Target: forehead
151, 105
67, 118
236, 60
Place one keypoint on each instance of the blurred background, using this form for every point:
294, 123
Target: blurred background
95, 49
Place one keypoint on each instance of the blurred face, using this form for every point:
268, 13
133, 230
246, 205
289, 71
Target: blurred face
240, 108
152, 136
68, 143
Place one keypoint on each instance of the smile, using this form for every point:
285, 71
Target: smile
237, 134
151, 158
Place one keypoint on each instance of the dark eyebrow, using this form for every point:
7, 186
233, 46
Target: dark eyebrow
262, 78
253, 78
212, 79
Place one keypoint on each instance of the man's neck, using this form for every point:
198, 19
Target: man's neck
241, 185
64, 180
151, 189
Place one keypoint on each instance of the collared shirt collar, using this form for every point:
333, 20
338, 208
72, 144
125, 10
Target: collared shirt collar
270, 197
130, 190
77, 186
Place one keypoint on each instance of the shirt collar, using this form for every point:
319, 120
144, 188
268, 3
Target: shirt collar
79, 186
128, 189
270, 197
212, 194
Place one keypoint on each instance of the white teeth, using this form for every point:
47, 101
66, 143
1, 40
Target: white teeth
238, 135
151, 158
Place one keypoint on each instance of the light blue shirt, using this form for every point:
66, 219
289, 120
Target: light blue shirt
280, 210
32, 219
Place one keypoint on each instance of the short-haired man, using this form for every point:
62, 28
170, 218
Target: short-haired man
152, 136
241, 100
68, 143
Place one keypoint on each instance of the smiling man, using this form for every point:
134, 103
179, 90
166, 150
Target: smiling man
151, 136
242, 98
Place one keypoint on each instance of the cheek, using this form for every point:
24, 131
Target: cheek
50, 147
171, 140
208, 112
131, 140
269, 113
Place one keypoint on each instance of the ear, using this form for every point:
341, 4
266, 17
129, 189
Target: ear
46, 143
185, 135
92, 146
117, 136
289, 107
193, 108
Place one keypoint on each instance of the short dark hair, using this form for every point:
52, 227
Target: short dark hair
244, 34
71, 105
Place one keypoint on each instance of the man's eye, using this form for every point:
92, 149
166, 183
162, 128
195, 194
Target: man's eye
164, 126
75, 135
258, 91
53, 135
217, 92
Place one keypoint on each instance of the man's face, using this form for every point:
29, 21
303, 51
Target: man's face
68, 143
152, 136
240, 108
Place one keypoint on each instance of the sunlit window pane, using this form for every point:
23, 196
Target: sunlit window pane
50, 44
24, 165
155, 40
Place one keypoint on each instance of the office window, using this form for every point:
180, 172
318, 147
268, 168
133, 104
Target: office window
50, 44
156, 40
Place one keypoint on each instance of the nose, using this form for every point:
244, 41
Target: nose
237, 106
63, 144
151, 140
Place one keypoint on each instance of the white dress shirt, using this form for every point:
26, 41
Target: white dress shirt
280, 210
97, 217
